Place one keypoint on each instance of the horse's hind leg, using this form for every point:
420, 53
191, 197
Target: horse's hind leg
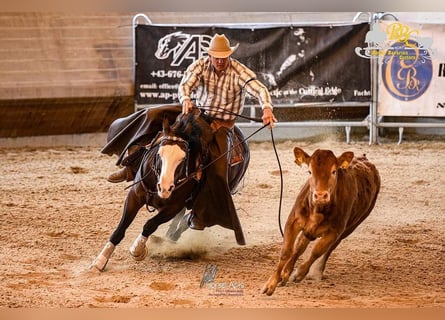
132, 205
182, 226
178, 225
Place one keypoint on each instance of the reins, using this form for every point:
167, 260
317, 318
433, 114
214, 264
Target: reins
222, 110
281, 182
194, 174
156, 140
233, 147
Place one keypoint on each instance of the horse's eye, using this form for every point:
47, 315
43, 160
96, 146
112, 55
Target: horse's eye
310, 172
334, 173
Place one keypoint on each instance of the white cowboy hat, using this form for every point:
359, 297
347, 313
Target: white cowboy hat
220, 47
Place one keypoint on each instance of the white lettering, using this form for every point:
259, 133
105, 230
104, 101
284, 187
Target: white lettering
362, 93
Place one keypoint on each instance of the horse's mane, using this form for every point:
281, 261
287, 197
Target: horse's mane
195, 130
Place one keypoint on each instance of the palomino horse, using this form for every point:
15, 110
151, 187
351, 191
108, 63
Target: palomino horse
166, 180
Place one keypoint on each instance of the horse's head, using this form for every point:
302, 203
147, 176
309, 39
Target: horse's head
179, 147
170, 43
172, 152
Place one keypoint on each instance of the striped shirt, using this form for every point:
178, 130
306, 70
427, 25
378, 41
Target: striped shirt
226, 91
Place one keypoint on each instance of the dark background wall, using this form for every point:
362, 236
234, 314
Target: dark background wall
64, 73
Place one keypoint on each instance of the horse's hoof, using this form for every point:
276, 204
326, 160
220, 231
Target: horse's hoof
140, 256
138, 249
102, 259
99, 263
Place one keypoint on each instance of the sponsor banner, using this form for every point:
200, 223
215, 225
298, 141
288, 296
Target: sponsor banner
411, 68
298, 64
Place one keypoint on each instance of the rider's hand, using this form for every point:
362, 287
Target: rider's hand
268, 117
187, 105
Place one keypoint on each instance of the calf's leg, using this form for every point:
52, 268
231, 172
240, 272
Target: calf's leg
299, 247
317, 268
291, 231
320, 247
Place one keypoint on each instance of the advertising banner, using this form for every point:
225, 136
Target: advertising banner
411, 68
297, 64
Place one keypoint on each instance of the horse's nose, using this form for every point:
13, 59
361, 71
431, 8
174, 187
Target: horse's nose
165, 192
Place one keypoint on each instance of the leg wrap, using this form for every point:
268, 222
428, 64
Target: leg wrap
102, 259
138, 249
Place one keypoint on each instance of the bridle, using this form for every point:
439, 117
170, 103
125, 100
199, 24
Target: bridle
194, 175
184, 168
155, 164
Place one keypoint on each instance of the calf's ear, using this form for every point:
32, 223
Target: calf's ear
301, 156
345, 159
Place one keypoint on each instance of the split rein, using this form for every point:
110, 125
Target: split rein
275, 151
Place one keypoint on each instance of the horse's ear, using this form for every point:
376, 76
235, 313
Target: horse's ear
190, 116
206, 131
196, 112
165, 126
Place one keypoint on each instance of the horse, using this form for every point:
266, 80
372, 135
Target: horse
170, 170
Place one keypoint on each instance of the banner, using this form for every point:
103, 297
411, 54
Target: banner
411, 69
297, 64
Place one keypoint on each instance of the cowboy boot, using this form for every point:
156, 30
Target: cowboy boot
195, 223
123, 174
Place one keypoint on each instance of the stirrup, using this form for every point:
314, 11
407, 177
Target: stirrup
235, 160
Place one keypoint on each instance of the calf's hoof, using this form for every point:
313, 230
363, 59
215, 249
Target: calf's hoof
268, 289
296, 277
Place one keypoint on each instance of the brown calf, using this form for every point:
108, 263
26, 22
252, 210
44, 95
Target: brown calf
339, 194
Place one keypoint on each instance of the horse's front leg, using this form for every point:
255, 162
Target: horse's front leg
139, 249
133, 203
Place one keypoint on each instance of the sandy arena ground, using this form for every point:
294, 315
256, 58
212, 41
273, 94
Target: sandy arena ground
58, 210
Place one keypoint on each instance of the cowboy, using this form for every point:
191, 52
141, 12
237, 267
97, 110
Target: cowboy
218, 83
